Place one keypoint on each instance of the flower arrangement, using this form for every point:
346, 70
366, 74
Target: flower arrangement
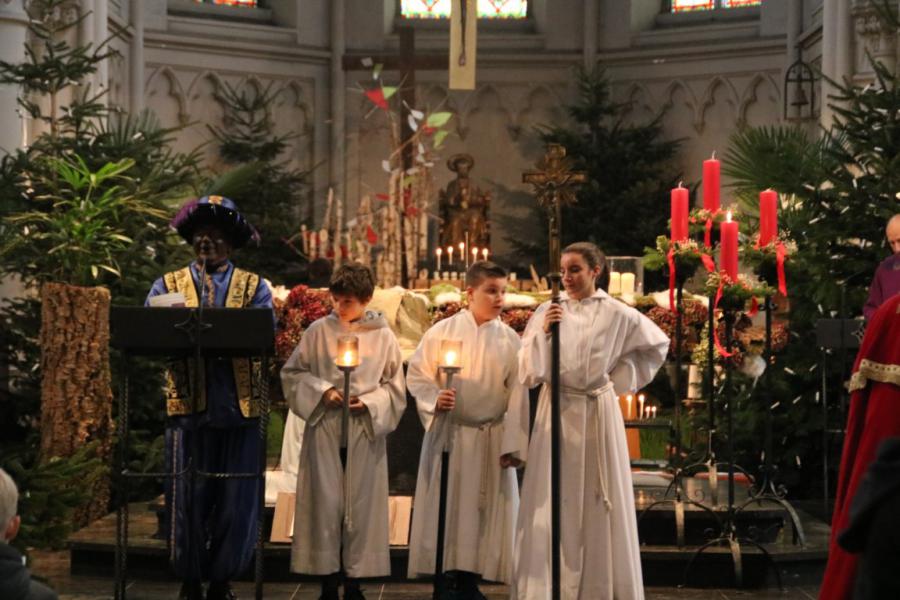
693, 318
294, 314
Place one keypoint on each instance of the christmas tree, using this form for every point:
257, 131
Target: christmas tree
629, 170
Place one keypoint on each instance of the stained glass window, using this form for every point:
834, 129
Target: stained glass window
689, 5
440, 9
250, 3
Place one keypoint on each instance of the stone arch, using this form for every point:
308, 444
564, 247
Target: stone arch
173, 90
709, 99
751, 96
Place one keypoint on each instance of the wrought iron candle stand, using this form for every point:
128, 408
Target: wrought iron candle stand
676, 466
766, 489
728, 534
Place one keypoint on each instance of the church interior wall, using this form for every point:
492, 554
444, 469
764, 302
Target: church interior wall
703, 78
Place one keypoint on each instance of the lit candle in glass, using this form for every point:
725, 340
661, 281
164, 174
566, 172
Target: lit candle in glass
439, 252
450, 256
348, 351
450, 353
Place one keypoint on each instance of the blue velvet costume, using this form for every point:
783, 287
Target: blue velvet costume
224, 511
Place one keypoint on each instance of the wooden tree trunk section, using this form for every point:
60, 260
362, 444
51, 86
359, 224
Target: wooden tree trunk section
76, 394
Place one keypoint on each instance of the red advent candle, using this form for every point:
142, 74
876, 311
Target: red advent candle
768, 216
680, 204
711, 184
728, 247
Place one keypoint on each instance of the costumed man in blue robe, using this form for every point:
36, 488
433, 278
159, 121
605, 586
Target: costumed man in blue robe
212, 528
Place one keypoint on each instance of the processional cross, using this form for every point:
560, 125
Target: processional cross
555, 186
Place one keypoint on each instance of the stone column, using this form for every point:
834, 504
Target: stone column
101, 33
590, 34
338, 91
13, 30
829, 57
136, 58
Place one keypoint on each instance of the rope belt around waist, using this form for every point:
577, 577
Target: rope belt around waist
487, 427
596, 394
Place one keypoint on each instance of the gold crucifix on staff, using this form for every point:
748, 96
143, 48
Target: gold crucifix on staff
554, 184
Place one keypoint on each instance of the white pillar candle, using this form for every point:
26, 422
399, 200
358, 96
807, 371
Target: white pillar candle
615, 283
628, 284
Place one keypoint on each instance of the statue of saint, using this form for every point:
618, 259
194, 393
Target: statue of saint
464, 207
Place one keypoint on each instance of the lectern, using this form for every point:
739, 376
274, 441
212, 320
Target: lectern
183, 333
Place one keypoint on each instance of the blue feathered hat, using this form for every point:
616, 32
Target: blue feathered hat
214, 210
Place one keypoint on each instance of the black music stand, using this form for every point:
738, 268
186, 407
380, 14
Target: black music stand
182, 333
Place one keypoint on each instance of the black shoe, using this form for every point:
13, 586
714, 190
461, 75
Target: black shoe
220, 590
191, 590
352, 591
330, 586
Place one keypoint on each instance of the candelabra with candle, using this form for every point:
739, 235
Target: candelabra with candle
347, 361
450, 355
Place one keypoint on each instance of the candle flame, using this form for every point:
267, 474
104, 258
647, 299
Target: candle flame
728, 216
450, 358
439, 251
449, 249
642, 397
348, 358
475, 251
484, 253
462, 246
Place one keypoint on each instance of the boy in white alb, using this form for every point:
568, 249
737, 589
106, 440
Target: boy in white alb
483, 494
341, 517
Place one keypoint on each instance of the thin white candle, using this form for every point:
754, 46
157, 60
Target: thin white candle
484, 253
439, 252
641, 400
450, 255
628, 400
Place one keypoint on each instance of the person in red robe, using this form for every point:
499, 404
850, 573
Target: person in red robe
874, 417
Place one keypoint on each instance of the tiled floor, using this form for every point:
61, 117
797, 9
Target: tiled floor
55, 568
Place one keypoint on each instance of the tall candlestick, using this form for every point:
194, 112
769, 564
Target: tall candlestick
728, 247
711, 184
768, 216
680, 205
439, 252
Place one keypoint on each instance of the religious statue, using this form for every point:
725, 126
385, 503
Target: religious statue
464, 207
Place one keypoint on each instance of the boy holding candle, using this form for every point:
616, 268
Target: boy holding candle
341, 516
483, 496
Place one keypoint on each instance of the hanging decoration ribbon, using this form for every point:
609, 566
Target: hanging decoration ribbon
670, 257
708, 262
780, 253
707, 233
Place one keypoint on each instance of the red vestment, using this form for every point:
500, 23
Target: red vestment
874, 416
